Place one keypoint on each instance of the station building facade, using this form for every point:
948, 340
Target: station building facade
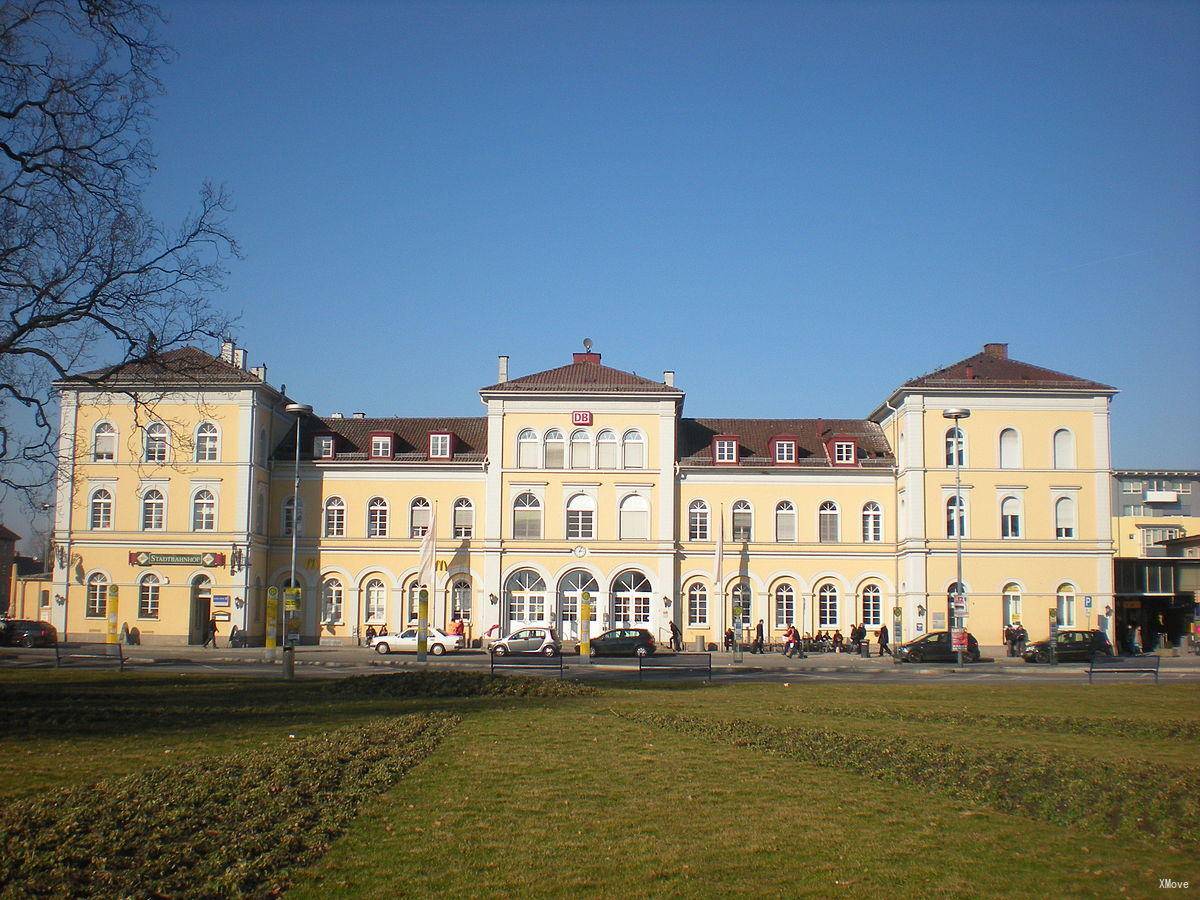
177, 486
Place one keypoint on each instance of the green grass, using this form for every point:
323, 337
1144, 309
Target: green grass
543, 796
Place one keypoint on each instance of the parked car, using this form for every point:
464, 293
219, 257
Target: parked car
935, 647
525, 641
624, 642
27, 633
1074, 645
437, 641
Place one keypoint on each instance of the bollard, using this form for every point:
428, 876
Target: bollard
289, 662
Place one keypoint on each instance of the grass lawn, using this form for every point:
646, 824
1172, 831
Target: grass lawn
681, 790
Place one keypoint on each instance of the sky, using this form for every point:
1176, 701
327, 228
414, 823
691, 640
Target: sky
796, 206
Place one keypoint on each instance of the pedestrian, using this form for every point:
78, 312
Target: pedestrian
862, 636
729, 640
758, 638
370, 632
883, 638
791, 641
838, 641
1022, 637
676, 638
210, 635
1009, 642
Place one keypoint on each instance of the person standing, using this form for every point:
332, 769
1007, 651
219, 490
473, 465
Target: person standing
758, 638
883, 637
210, 634
676, 638
729, 639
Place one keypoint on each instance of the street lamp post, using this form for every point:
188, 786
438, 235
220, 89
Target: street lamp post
957, 414
299, 410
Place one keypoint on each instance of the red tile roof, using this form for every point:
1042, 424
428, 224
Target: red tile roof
754, 435
585, 375
352, 439
187, 365
992, 368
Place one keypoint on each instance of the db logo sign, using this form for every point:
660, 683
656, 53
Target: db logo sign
581, 417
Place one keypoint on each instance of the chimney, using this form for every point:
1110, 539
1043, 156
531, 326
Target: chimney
337, 415
239, 357
227, 350
503, 370
970, 373
590, 358
360, 415
996, 351
260, 372
669, 377
821, 429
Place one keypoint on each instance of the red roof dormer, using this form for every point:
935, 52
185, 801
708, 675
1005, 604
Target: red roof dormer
383, 445
441, 445
784, 449
726, 450
324, 445
841, 450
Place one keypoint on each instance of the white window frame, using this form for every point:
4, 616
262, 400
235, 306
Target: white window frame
874, 593
111, 433
1010, 518
439, 445
333, 522
1065, 605
379, 517
554, 450
632, 510
1010, 603
105, 506
161, 436
784, 597
828, 594
726, 451
829, 510
959, 520
608, 445
463, 532
872, 522
96, 595
333, 600
148, 595
1065, 523
579, 449
194, 509
375, 598
741, 590
697, 600
207, 443
528, 449
417, 530
581, 518
747, 509
633, 441
162, 510
699, 521
785, 451
1069, 450
1013, 458
381, 446
785, 512
843, 452
532, 503
956, 446
323, 446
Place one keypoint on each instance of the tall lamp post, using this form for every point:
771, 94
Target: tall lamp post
957, 414
299, 410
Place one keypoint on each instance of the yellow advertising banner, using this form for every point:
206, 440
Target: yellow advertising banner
111, 609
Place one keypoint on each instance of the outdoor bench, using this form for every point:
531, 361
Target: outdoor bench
89, 654
1116, 665
528, 661
682, 663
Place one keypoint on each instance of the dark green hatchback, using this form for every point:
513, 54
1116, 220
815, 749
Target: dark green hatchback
623, 642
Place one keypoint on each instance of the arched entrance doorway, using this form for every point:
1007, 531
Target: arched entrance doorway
201, 609
524, 600
630, 598
572, 585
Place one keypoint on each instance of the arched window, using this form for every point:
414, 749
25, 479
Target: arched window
377, 518
460, 599
1010, 449
527, 517
633, 447
739, 604
1012, 603
148, 596
154, 510
827, 606
527, 449
872, 523
697, 521
872, 605
1010, 517
743, 521
525, 597
956, 517
419, 512
335, 517
570, 595
785, 521
1064, 449
97, 596
102, 509
331, 601
631, 595
156, 442
581, 518
375, 595
1064, 518
1066, 605
829, 522
464, 519
581, 450
104, 443
697, 612
204, 511
606, 450
956, 448
292, 518
412, 604
206, 442
635, 519
555, 451
785, 605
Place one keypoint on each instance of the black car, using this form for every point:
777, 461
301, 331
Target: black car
623, 642
1074, 645
26, 633
935, 647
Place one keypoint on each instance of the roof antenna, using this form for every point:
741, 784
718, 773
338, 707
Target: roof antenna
587, 345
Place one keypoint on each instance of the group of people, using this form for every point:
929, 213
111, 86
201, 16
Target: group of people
1015, 638
823, 641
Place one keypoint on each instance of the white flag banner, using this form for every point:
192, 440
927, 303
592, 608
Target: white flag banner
425, 572
719, 561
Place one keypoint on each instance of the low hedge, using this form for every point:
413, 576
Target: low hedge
230, 827
1054, 788
456, 684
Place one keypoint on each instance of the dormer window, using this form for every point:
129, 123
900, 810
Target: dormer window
725, 450
381, 446
843, 453
783, 450
323, 446
439, 446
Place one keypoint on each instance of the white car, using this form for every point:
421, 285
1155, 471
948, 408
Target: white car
437, 641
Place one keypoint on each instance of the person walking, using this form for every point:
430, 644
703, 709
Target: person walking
210, 633
757, 647
676, 638
883, 638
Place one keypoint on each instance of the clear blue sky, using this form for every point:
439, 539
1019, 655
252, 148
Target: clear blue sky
796, 206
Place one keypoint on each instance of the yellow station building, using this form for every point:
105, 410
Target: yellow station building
177, 487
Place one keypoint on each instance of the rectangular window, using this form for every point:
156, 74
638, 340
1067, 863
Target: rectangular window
148, 602
641, 610
1064, 531
1010, 525
335, 520
635, 525
785, 526
827, 611
843, 452
606, 454
439, 446
1160, 579
785, 451
581, 524
785, 610
697, 608
464, 522
1151, 537
1131, 487
741, 525
726, 451
554, 454
527, 523
323, 446
381, 447
698, 525
1185, 487
620, 609
1066, 610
